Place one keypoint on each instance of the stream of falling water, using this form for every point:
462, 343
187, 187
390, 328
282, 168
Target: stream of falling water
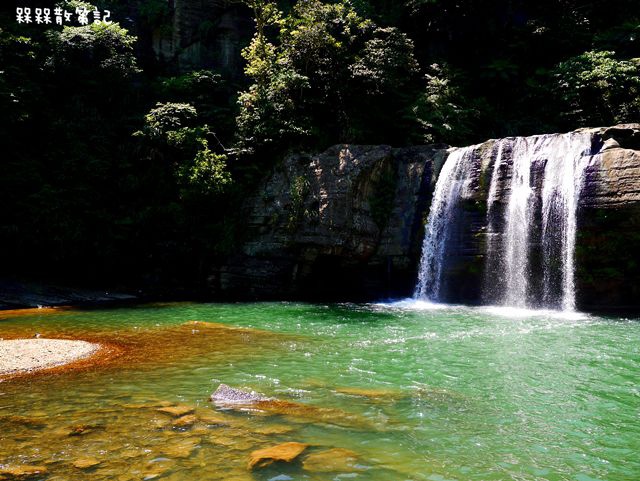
452, 183
543, 180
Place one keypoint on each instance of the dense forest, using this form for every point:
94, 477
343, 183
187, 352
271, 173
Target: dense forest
123, 165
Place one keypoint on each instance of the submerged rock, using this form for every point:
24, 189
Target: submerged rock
332, 460
183, 448
312, 413
238, 399
371, 393
185, 421
215, 419
86, 463
83, 429
28, 421
285, 452
274, 429
176, 411
21, 472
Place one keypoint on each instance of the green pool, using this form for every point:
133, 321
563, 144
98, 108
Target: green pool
412, 391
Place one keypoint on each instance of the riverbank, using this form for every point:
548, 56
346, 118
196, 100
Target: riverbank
21, 356
21, 295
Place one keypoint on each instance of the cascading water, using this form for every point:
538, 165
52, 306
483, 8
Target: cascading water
451, 185
563, 182
517, 225
532, 204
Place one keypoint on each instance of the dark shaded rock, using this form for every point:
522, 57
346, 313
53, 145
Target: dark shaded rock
204, 34
15, 295
344, 224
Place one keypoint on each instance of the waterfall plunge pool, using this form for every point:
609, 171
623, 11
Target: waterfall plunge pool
416, 392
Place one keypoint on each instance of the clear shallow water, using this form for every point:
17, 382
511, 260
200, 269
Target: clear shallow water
419, 392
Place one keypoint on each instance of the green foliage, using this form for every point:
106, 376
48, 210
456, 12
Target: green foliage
97, 201
311, 83
171, 132
596, 88
18, 77
386, 61
442, 111
164, 120
107, 47
206, 174
208, 92
267, 109
156, 14
195, 84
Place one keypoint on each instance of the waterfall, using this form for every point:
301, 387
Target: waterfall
563, 182
560, 161
532, 203
453, 182
517, 225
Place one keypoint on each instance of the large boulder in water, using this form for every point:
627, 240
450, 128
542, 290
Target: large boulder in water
229, 395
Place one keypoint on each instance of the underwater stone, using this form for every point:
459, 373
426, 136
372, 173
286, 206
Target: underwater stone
286, 452
332, 460
21, 472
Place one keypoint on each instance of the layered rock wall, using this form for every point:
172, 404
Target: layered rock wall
345, 224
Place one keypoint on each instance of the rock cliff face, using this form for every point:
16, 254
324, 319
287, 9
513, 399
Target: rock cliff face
608, 243
345, 224
348, 224
205, 34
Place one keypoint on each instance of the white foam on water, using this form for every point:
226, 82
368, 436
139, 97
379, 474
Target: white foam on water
522, 312
415, 305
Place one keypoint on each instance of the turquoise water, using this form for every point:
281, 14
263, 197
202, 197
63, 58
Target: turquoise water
416, 392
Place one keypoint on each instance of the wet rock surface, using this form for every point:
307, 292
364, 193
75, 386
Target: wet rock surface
332, 460
228, 395
22, 472
285, 452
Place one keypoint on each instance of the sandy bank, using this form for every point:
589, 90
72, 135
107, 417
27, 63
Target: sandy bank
27, 355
